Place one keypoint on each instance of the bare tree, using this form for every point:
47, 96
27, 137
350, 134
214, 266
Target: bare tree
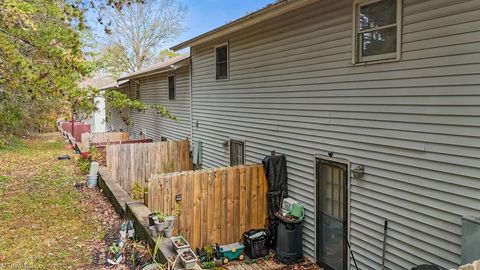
139, 32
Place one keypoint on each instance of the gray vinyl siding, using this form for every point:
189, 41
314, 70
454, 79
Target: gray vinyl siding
154, 90
413, 124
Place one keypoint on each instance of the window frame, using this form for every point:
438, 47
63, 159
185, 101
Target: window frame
174, 87
136, 88
227, 45
357, 58
244, 143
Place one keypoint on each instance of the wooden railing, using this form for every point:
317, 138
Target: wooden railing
130, 163
213, 205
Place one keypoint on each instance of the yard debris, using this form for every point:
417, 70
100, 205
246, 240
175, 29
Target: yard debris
79, 186
64, 157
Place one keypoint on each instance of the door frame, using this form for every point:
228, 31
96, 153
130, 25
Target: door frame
348, 189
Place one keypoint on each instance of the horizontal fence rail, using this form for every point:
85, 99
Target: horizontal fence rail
213, 205
130, 163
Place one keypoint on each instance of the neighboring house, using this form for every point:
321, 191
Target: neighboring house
97, 119
393, 86
165, 83
115, 118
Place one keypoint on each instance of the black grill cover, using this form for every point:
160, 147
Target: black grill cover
276, 172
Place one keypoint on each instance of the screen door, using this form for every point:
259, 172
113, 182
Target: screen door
332, 216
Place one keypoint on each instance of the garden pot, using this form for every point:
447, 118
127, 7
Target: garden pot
123, 235
131, 233
188, 258
152, 266
160, 225
153, 231
123, 231
168, 232
170, 220
152, 218
130, 229
179, 243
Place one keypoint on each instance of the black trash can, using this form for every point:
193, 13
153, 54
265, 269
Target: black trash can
289, 242
257, 243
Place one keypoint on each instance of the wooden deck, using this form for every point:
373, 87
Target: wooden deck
271, 265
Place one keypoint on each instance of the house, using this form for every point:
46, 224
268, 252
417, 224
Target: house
166, 83
97, 118
116, 119
374, 103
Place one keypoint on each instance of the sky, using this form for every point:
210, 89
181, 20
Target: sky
205, 15
202, 16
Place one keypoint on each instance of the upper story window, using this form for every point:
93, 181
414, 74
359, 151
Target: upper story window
221, 62
171, 87
377, 30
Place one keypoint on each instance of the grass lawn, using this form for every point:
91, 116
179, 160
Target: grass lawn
45, 223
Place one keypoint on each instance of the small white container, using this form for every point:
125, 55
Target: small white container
92, 181
160, 225
168, 232
183, 244
188, 263
170, 220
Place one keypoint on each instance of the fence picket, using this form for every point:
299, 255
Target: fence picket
217, 205
129, 163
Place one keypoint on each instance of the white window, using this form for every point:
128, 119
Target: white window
221, 62
377, 33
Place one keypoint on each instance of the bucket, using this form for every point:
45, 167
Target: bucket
91, 181
93, 168
297, 211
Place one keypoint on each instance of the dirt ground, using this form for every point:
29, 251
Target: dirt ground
46, 222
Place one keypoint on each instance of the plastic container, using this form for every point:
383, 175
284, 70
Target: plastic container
188, 258
289, 242
160, 225
257, 243
170, 221
179, 243
93, 168
92, 181
168, 232
297, 211
153, 231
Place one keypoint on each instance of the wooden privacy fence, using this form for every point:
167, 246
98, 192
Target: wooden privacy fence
103, 137
101, 147
214, 205
130, 163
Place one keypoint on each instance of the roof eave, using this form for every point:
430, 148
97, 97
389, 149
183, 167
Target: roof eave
172, 67
261, 15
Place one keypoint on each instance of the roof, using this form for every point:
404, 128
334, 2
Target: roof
160, 67
114, 85
270, 11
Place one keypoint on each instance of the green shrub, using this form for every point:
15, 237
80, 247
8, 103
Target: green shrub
84, 165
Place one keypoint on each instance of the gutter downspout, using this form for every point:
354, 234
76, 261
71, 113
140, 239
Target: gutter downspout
191, 87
